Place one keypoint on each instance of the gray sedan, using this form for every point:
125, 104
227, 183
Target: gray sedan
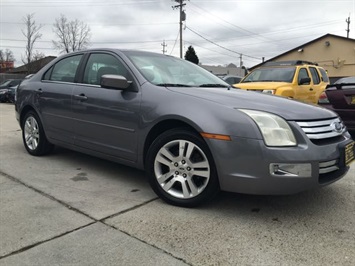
191, 133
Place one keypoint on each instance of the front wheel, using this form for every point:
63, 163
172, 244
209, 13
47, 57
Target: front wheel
181, 169
33, 135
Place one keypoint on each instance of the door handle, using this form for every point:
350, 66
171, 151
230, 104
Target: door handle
39, 91
80, 97
311, 89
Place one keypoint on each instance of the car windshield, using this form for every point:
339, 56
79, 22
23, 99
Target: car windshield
284, 74
170, 71
5, 83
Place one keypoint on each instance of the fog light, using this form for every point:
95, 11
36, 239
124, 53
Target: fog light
291, 170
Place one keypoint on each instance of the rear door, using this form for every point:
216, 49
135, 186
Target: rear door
316, 86
54, 98
106, 120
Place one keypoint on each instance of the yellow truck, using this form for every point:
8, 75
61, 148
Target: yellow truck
300, 80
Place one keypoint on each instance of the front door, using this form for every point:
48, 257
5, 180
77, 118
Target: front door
302, 91
106, 120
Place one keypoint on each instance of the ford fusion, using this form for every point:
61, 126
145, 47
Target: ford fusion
193, 135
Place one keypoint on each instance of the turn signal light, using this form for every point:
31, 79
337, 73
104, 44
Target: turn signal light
215, 136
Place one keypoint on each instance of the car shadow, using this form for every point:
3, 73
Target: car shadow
317, 203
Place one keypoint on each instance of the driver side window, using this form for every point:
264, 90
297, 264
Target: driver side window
100, 64
302, 74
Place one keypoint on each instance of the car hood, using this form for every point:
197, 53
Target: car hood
261, 85
240, 99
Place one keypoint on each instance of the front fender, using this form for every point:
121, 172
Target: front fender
202, 114
287, 92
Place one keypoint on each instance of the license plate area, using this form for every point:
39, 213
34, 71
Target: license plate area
349, 153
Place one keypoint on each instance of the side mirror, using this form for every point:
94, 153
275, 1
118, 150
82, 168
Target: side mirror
305, 81
117, 82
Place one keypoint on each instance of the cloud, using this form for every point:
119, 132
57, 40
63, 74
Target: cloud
258, 28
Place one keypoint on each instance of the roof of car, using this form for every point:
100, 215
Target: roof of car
289, 63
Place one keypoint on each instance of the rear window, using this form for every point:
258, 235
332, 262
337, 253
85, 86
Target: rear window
324, 75
64, 70
315, 76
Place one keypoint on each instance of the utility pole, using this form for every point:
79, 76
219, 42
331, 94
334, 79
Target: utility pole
180, 5
348, 30
164, 46
241, 60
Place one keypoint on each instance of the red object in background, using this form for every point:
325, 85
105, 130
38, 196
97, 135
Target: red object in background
6, 65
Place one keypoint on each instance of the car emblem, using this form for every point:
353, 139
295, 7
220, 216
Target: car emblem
336, 127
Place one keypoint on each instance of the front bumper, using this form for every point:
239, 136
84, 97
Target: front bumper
249, 166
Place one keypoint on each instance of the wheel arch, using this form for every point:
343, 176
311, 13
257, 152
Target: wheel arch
161, 127
286, 92
24, 111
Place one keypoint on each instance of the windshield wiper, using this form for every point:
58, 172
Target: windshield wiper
213, 86
172, 85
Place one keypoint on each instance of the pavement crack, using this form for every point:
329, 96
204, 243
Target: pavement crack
45, 241
127, 210
146, 243
47, 195
102, 220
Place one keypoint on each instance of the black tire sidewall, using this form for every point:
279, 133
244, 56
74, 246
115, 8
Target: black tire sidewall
212, 187
43, 145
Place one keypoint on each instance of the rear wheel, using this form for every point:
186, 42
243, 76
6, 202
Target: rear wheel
33, 135
180, 168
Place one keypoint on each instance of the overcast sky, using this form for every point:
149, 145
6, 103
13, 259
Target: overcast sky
218, 30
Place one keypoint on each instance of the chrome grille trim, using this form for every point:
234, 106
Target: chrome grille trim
327, 167
321, 129
326, 164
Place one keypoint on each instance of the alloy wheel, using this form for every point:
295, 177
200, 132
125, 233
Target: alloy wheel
182, 169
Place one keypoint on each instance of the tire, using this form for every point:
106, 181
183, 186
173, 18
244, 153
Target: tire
180, 168
33, 135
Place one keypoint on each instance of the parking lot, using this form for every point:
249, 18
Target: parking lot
72, 209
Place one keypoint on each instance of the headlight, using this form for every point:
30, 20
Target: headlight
275, 130
3, 92
269, 91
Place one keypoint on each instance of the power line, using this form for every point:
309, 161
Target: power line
157, 41
250, 33
177, 37
105, 24
75, 3
221, 45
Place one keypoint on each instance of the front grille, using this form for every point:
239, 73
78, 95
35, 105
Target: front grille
317, 131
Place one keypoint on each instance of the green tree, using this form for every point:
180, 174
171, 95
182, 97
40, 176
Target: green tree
191, 56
